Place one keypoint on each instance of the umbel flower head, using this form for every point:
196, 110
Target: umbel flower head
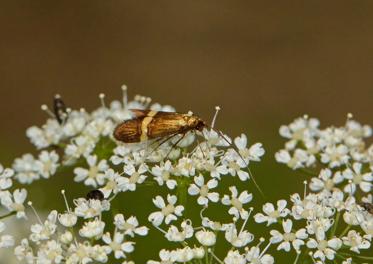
191, 163
191, 191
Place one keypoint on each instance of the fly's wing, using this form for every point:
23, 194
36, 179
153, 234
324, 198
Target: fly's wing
165, 124
129, 131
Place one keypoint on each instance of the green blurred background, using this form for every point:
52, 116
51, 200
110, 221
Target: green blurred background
263, 62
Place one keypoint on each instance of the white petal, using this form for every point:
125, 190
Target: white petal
193, 189
287, 225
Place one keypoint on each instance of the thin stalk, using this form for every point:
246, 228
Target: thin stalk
332, 233
7, 215
345, 231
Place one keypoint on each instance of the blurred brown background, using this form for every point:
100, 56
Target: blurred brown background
263, 62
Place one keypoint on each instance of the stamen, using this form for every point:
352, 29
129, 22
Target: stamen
305, 189
82, 110
190, 113
305, 116
217, 109
311, 256
148, 100
265, 249
214, 256
36, 214
261, 240
102, 99
142, 100
125, 98
349, 117
350, 183
65, 199
200, 213
45, 108
160, 229
112, 198
244, 223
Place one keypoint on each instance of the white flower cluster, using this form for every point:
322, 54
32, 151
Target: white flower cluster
192, 166
201, 171
335, 220
62, 238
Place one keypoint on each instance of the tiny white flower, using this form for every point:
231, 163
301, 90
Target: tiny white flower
95, 175
271, 214
254, 255
68, 219
111, 186
26, 169
173, 234
130, 226
326, 180
135, 177
24, 252
237, 202
335, 156
162, 174
234, 257
14, 203
206, 238
363, 180
289, 238
47, 163
92, 229
46, 230
5, 178
90, 208
355, 241
117, 245
200, 188
168, 212
325, 249
80, 146
238, 238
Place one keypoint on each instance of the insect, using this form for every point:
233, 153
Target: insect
163, 126
59, 109
367, 207
147, 125
95, 195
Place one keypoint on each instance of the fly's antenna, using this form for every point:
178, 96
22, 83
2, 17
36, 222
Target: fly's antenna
239, 154
217, 108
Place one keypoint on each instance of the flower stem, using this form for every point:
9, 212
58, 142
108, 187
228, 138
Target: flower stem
332, 233
345, 231
206, 256
7, 215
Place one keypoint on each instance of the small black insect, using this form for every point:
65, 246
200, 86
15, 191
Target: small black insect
95, 195
367, 207
59, 109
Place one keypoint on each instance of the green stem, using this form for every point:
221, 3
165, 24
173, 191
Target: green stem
356, 256
345, 231
7, 215
335, 225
